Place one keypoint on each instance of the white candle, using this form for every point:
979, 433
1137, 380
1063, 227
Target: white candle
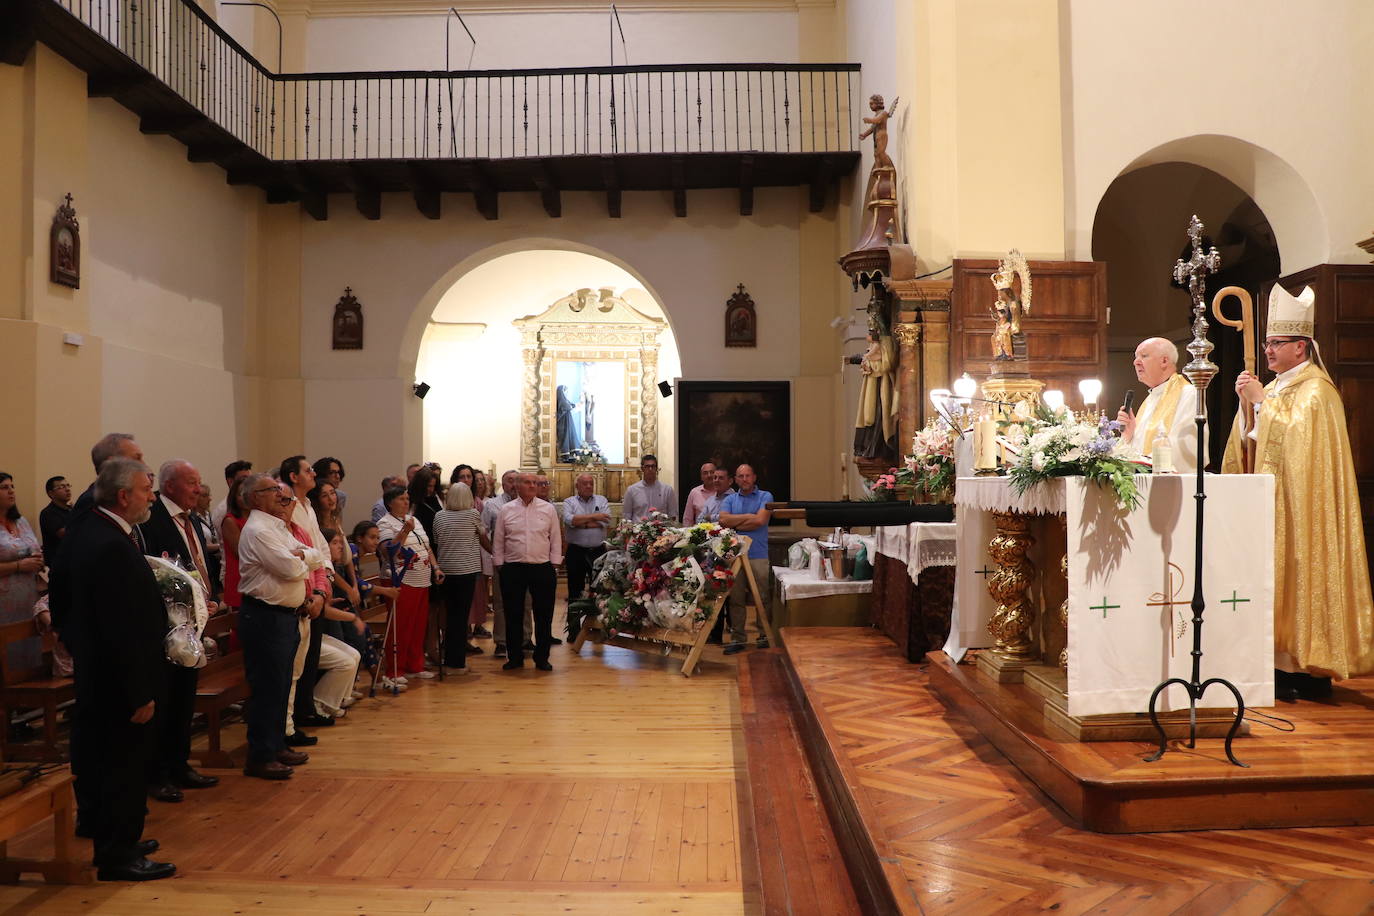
985, 444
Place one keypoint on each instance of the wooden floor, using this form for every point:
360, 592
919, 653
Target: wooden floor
607, 786
964, 832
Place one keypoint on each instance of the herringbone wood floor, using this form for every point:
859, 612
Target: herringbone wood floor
972, 836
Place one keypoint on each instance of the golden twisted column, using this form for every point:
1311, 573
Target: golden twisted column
1011, 624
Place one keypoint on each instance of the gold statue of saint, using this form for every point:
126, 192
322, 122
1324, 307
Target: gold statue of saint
1008, 308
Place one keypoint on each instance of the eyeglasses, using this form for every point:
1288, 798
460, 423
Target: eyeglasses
1278, 342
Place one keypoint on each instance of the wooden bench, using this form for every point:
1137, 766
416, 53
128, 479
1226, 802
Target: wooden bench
31, 688
47, 796
221, 684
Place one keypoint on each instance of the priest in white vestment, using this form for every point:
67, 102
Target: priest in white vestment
1169, 410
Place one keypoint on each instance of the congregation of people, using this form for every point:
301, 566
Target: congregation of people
445, 557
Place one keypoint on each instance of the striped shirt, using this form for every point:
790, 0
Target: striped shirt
455, 541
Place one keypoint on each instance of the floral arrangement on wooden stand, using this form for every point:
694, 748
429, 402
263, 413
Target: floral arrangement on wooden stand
1063, 444
655, 574
587, 456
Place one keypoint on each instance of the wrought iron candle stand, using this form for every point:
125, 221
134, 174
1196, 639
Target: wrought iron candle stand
1200, 371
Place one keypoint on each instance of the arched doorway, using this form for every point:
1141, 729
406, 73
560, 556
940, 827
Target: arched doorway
470, 354
1139, 231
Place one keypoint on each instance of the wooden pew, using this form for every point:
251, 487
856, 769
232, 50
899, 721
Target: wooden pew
222, 683
32, 687
47, 796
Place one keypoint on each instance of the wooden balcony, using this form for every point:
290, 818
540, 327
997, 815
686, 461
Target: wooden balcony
303, 137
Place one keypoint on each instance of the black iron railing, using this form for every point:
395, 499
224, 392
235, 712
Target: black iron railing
694, 108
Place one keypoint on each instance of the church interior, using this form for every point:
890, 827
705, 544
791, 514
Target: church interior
943, 291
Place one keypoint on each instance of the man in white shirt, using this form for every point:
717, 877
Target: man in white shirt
587, 516
691, 513
273, 573
525, 550
1169, 410
490, 510
649, 494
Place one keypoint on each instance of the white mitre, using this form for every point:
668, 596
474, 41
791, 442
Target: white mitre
1292, 316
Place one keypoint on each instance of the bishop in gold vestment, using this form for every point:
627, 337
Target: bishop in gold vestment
1323, 618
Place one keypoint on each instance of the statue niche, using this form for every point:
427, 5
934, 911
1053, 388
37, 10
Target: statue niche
591, 363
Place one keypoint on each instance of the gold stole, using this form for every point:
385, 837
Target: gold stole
1163, 414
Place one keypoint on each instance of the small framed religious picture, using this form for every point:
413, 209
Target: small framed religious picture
741, 323
348, 322
65, 243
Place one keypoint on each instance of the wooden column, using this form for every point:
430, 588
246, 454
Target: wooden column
923, 307
910, 397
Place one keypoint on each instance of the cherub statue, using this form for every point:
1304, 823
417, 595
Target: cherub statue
879, 128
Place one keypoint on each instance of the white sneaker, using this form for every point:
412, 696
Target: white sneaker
400, 680
423, 675
390, 684
347, 702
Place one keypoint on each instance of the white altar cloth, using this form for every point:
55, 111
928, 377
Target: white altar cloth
795, 584
919, 545
1126, 571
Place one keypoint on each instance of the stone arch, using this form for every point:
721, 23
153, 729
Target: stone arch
495, 287
1285, 197
411, 338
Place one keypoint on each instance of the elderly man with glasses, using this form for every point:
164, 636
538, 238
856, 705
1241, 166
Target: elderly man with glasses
274, 569
1296, 431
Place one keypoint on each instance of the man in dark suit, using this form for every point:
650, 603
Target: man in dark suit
170, 532
111, 445
114, 629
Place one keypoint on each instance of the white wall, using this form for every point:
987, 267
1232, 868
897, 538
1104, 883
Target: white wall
473, 407
1288, 78
528, 40
166, 247
401, 266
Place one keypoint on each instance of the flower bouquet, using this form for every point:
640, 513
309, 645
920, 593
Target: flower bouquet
183, 594
586, 456
930, 466
656, 574
1062, 445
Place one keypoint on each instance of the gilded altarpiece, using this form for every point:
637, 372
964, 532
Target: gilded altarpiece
597, 331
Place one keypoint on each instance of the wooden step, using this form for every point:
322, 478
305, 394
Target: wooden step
800, 867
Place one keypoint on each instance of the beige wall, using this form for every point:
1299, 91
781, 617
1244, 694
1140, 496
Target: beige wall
1277, 104
402, 266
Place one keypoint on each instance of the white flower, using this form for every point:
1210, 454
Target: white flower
1072, 455
1038, 461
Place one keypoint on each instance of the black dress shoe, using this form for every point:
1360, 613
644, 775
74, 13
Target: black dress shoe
315, 720
301, 739
139, 869
293, 758
527, 646
193, 780
556, 641
165, 793
543, 666
512, 665
474, 650
269, 770
148, 847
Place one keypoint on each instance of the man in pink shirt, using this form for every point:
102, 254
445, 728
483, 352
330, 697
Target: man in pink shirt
525, 550
696, 499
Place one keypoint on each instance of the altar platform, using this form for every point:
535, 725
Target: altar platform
966, 800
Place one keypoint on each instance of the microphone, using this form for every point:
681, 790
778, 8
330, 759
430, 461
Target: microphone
1130, 400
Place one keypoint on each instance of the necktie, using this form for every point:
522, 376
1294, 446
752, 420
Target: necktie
193, 543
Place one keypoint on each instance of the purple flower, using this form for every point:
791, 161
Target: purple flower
1107, 427
1100, 447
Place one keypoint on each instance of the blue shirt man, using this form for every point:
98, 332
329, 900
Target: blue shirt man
746, 511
